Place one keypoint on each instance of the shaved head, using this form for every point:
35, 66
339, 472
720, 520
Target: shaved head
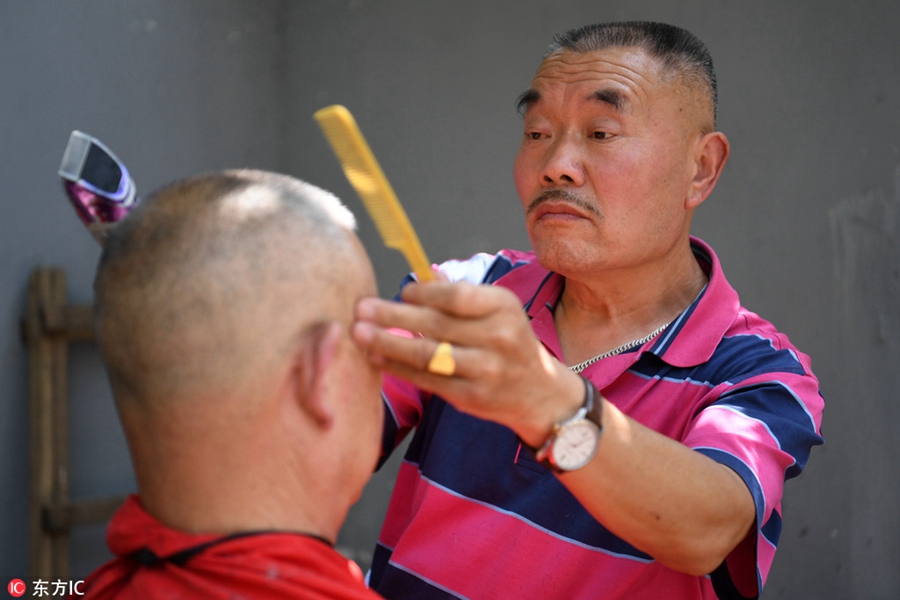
213, 280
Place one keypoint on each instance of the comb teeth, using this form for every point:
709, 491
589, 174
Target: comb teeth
367, 178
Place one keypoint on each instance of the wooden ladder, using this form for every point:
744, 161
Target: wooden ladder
50, 325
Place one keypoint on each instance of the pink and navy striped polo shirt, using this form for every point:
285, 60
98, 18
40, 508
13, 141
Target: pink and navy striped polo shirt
473, 515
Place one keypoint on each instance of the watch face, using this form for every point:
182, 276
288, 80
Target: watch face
575, 445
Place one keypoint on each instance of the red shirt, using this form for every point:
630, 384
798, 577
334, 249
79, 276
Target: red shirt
153, 561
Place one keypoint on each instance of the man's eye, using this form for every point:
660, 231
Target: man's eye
533, 135
601, 135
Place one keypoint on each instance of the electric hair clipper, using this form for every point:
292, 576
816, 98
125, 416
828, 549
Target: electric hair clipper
97, 183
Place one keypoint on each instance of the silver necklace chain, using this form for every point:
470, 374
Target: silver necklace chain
628, 346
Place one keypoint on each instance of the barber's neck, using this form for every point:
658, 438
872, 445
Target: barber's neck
607, 309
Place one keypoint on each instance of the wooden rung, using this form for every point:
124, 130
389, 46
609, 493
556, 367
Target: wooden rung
62, 517
75, 323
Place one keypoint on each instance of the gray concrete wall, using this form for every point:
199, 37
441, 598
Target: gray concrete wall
804, 219
173, 88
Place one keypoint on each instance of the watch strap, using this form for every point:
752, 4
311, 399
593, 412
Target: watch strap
595, 410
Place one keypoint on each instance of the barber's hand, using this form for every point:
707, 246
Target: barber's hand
503, 373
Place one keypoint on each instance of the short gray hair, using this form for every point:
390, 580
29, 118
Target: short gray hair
676, 49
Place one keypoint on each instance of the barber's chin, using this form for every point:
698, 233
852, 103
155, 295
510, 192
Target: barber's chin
563, 230
566, 257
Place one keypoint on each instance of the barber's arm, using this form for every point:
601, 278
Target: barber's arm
682, 508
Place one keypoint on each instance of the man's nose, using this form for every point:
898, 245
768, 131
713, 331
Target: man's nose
563, 164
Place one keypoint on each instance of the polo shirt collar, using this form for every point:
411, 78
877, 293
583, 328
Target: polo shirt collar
689, 341
693, 337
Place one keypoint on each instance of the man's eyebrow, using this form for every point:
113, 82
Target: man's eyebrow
525, 100
613, 98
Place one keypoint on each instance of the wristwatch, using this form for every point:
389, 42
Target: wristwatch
573, 443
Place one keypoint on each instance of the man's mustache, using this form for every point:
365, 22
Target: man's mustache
564, 195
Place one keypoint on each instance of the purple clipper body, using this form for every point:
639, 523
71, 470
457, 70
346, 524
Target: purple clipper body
97, 184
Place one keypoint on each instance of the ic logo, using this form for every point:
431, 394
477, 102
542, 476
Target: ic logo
17, 588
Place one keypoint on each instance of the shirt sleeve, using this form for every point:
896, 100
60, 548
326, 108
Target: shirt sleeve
404, 403
763, 426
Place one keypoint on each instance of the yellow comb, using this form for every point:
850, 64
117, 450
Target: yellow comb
368, 179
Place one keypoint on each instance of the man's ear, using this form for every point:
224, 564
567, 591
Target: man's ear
710, 155
313, 357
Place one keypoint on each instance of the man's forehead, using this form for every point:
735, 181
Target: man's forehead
612, 76
624, 64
